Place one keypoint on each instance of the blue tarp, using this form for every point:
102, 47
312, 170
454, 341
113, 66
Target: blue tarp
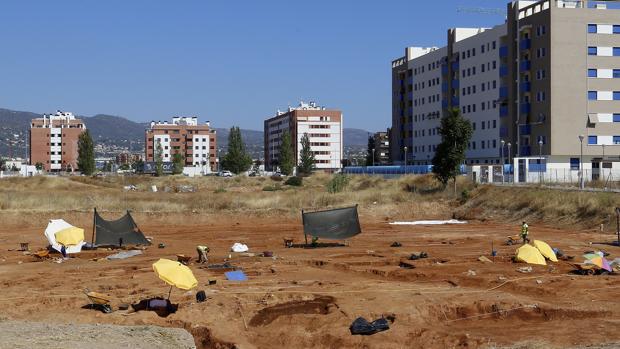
236, 275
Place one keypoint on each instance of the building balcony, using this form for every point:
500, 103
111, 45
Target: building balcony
525, 130
503, 92
455, 83
525, 86
444, 87
410, 80
503, 111
525, 44
503, 71
410, 96
526, 150
444, 69
526, 108
455, 101
525, 65
503, 51
455, 66
444, 103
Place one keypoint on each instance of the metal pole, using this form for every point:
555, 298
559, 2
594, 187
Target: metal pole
509, 161
373, 157
502, 154
603, 163
540, 161
581, 184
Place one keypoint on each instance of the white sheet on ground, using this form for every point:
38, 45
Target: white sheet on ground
451, 221
124, 254
54, 226
238, 247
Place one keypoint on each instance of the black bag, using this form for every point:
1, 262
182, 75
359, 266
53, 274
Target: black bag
201, 296
363, 327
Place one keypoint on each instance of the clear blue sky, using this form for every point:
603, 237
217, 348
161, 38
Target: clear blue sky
231, 62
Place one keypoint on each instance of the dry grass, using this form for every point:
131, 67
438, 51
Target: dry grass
408, 197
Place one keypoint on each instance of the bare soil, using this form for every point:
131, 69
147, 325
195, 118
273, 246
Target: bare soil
304, 298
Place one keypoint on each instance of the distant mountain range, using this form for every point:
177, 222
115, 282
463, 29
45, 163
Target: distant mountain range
113, 134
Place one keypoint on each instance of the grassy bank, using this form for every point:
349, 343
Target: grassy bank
409, 197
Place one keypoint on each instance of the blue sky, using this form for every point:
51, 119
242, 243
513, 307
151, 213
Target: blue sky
231, 62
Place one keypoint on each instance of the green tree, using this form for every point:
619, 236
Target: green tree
455, 132
159, 160
370, 151
287, 161
38, 166
86, 154
138, 166
178, 162
236, 160
306, 157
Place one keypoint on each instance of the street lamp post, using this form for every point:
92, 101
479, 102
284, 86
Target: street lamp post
405, 159
509, 163
502, 154
603, 163
581, 184
540, 166
373, 157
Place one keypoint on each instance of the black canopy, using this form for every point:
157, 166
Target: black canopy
336, 224
123, 231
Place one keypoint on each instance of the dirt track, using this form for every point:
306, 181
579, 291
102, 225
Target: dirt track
309, 297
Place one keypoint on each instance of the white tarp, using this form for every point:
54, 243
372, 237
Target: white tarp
237, 247
124, 254
451, 221
54, 226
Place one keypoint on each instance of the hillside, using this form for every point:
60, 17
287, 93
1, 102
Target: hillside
113, 134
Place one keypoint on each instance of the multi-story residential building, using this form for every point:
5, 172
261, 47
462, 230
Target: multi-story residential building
562, 60
126, 158
464, 74
382, 148
529, 97
54, 141
323, 127
197, 143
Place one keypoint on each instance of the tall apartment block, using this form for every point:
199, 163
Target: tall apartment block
382, 148
427, 81
323, 127
539, 81
197, 143
54, 141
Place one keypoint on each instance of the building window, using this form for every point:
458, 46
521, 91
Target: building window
616, 139
592, 140
592, 73
616, 29
616, 51
592, 95
592, 50
616, 118
616, 73
591, 28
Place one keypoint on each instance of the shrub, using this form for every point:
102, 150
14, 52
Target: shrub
272, 187
276, 178
220, 190
465, 195
338, 183
294, 181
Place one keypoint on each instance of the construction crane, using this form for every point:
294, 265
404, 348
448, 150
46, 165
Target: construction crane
482, 10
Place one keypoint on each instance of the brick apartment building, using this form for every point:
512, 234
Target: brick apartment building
197, 143
54, 141
324, 129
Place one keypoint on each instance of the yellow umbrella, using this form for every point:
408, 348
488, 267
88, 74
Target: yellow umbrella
70, 236
175, 274
545, 250
530, 254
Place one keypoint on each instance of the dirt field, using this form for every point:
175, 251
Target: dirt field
309, 297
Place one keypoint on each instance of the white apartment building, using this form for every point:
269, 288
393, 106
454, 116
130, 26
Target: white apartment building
323, 127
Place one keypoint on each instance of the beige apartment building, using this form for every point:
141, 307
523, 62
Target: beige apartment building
184, 135
54, 141
323, 127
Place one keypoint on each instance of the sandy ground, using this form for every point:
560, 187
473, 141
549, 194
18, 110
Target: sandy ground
305, 298
27, 335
